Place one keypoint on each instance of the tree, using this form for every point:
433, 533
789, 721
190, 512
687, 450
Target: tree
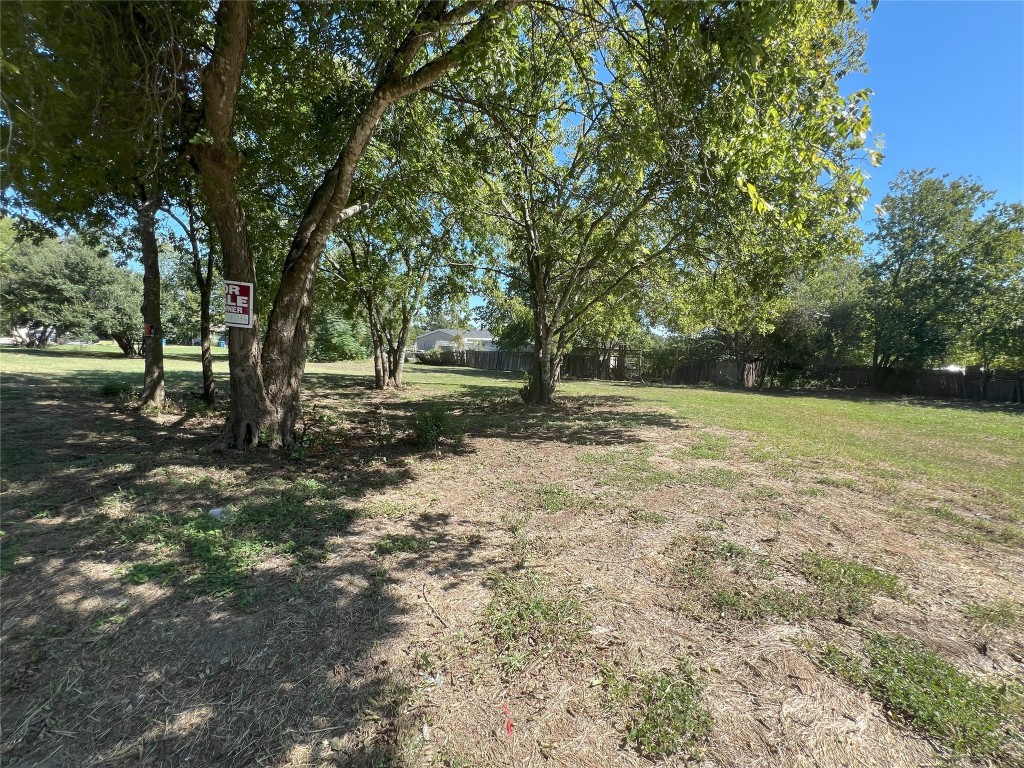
67, 287
381, 54
195, 242
992, 333
97, 114
617, 181
943, 272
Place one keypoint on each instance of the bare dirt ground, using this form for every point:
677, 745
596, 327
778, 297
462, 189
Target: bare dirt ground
360, 631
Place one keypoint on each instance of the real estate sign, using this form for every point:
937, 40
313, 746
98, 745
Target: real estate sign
238, 311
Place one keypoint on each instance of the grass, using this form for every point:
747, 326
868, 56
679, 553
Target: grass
390, 545
555, 497
1001, 614
846, 585
312, 585
966, 714
710, 447
525, 620
664, 710
627, 467
216, 557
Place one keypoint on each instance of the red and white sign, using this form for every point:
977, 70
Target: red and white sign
238, 311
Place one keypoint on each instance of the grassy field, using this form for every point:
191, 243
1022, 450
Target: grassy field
442, 576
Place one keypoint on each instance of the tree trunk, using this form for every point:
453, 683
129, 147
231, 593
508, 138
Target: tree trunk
125, 343
545, 372
209, 389
153, 383
250, 413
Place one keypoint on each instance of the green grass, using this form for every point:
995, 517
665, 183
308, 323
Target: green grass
845, 584
555, 497
526, 620
627, 467
389, 545
965, 713
926, 438
664, 710
710, 447
1002, 614
217, 556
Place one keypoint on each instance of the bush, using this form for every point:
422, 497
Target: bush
432, 425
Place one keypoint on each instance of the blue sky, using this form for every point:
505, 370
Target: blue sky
948, 82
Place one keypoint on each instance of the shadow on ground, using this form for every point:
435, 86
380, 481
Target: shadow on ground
138, 628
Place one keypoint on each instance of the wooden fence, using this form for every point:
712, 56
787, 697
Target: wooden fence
620, 363
616, 362
972, 384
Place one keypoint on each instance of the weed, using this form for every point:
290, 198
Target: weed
918, 687
627, 467
714, 477
710, 447
516, 525
557, 498
1003, 614
385, 508
665, 713
710, 525
431, 426
846, 584
219, 555
526, 621
389, 545
755, 605
115, 388
651, 516
140, 573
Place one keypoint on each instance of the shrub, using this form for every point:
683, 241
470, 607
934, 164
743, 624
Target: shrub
432, 425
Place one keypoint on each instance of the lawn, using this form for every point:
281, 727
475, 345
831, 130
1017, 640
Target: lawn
442, 576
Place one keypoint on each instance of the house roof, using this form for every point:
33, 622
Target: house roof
466, 334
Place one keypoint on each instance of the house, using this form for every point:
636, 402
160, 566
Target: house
456, 338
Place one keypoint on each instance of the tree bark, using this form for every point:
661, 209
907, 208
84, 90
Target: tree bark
125, 343
250, 414
153, 394
209, 388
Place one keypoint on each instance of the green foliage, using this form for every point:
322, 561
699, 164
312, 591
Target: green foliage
526, 621
917, 686
334, 337
665, 714
945, 273
432, 425
70, 287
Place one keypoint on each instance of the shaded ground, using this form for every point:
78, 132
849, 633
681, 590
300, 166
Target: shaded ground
355, 606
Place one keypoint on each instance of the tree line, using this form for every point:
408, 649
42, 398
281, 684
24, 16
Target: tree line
586, 165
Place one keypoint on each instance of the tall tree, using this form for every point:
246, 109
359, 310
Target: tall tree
700, 126
98, 114
381, 54
937, 254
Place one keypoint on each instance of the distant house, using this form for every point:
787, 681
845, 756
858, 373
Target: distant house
455, 338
